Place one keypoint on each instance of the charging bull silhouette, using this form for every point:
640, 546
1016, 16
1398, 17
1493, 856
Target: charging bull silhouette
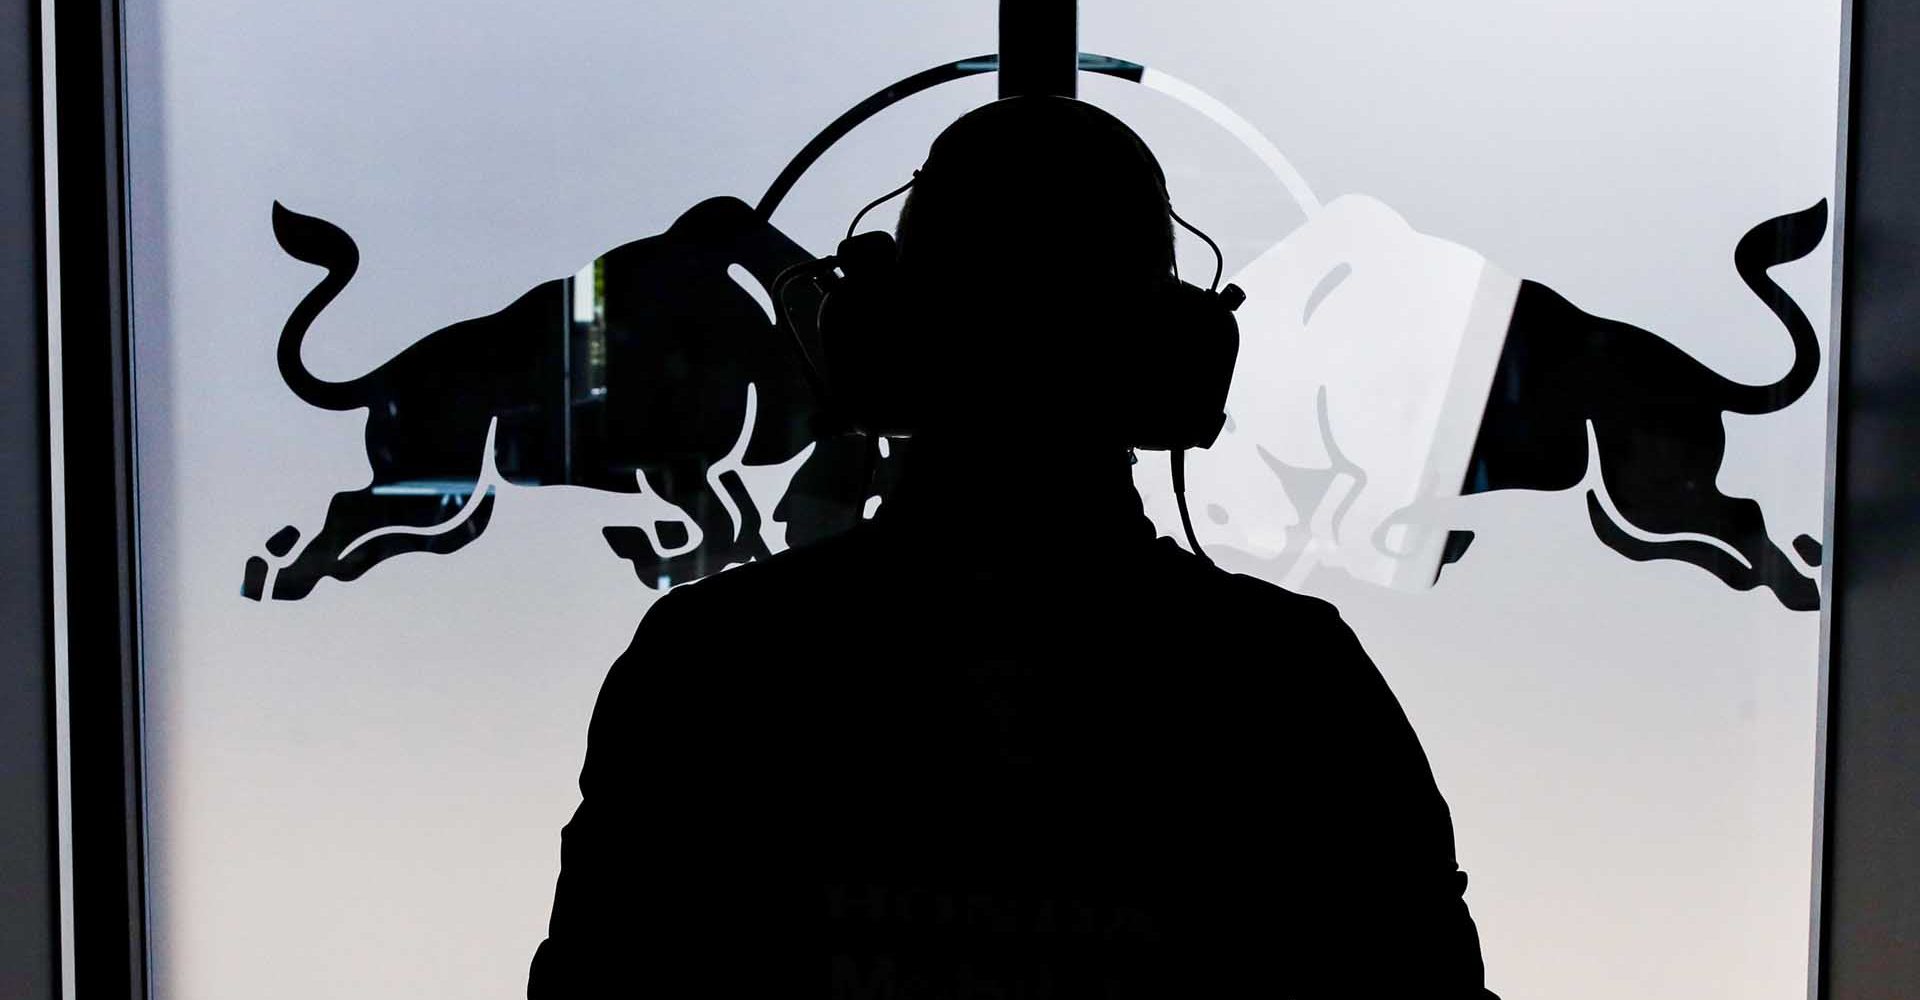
1380, 367
694, 371
1656, 417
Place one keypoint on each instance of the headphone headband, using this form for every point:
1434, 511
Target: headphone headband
1089, 62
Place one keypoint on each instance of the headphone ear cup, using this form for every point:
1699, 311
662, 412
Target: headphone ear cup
869, 357
1181, 367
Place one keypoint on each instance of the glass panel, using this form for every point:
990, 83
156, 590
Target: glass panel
449, 364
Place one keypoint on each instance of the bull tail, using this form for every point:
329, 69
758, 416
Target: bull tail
315, 241
1773, 242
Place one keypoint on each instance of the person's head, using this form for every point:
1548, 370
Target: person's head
1029, 236
1047, 189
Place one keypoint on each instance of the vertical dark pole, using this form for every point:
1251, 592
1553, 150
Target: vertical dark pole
1039, 47
103, 684
29, 855
1870, 865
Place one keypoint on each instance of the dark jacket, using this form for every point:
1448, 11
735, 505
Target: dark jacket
928, 759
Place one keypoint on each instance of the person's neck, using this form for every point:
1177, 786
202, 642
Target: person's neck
1019, 486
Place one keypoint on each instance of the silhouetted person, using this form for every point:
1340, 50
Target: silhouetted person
1000, 740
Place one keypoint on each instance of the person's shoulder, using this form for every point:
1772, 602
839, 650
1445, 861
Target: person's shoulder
696, 638
1243, 591
749, 590
1246, 611
1274, 598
